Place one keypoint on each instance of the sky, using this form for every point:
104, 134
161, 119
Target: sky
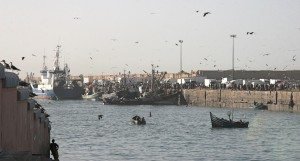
100, 36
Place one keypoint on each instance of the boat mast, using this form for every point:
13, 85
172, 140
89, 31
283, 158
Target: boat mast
152, 77
56, 62
44, 62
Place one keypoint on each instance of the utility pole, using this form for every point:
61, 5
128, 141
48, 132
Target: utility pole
181, 41
233, 36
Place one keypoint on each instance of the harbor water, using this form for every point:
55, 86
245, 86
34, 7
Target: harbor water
172, 133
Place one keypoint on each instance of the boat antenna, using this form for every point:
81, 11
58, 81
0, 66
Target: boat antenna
44, 62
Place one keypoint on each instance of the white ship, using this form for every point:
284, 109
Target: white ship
44, 88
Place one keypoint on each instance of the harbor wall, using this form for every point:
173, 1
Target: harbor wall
23, 131
275, 100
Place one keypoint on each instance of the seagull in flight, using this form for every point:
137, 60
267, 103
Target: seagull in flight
266, 54
205, 59
206, 13
294, 58
91, 58
176, 44
250, 33
136, 42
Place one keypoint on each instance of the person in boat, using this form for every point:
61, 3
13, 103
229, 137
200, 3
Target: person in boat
143, 120
54, 149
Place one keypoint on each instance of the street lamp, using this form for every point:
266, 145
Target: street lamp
233, 36
181, 41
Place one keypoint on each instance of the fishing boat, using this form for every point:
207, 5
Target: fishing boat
150, 99
224, 123
260, 106
138, 120
155, 95
93, 96
63, 86
43, 88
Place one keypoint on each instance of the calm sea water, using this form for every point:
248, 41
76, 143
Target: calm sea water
172, 133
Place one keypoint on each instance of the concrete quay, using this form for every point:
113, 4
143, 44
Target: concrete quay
24, 129
275, 100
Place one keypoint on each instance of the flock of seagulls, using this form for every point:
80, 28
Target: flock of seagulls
11, 66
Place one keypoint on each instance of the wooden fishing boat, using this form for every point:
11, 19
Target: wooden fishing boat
138, 120
223, 123
260, 106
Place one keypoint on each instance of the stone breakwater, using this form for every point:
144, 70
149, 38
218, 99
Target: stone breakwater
24, 129
275, 100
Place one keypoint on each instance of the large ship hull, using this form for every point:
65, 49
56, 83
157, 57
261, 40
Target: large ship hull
68, 91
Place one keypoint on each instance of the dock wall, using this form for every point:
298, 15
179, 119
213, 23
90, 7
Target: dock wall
22, 129
275, 100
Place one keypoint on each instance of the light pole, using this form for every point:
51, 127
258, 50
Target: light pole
180, 41
233, 36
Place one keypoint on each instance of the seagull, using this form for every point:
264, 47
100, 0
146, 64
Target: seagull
205, 59
47, 115
136, 42
176, 44
266, 54
37, 105
13, 67
284, 67
31, 94
267, 65
23, 58
6, 65
250, 33
76, 18
215, 66
294, 58
91, 58
23, 83
204, 14
197, 11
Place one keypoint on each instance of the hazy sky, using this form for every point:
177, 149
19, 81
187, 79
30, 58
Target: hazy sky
107, 32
